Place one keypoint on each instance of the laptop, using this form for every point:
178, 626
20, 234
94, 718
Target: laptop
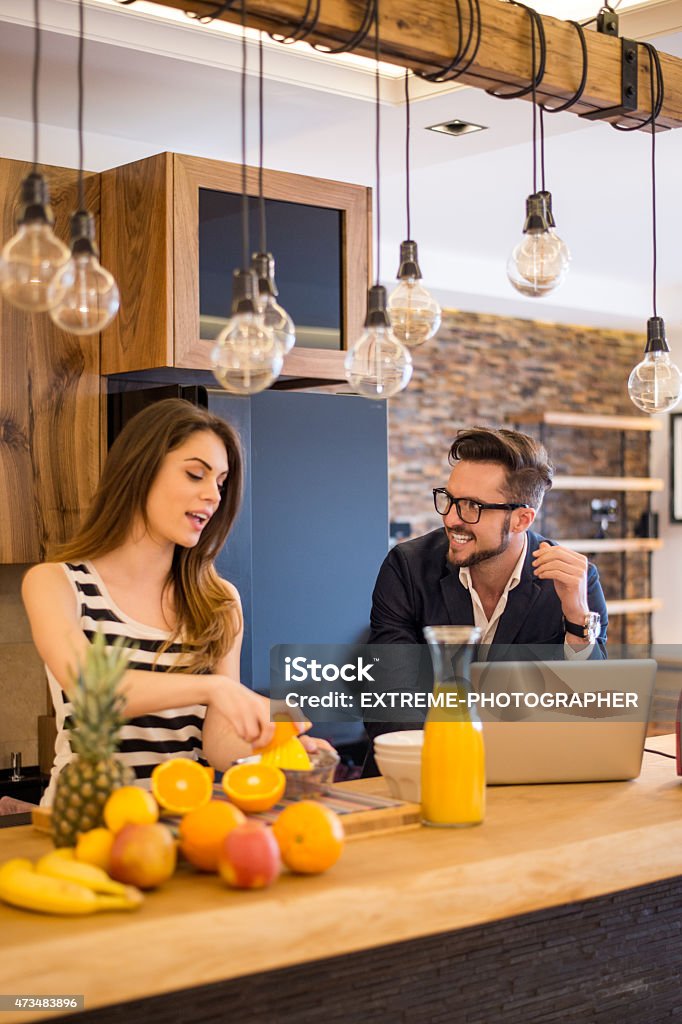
583, 733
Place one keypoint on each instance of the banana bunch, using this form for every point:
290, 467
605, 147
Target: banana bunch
60, 884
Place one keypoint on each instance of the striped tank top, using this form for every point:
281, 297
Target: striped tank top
149, 739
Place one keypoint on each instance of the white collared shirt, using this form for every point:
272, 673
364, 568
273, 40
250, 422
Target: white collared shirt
488, 626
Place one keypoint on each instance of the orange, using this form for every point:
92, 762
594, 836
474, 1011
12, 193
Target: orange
130, 805
94, 847
181, 785
310, 837
202, 832
254, 787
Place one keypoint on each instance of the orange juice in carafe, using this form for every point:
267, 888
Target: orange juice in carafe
453, 758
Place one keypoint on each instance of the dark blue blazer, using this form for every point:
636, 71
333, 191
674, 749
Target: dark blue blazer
416, 587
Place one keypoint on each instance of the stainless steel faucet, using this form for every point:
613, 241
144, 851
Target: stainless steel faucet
15, 764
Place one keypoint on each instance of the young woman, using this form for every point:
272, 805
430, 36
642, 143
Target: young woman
141, 567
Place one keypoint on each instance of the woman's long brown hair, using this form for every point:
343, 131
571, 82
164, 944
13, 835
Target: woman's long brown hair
207, 617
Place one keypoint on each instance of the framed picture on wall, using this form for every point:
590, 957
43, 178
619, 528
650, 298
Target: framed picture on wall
676, 467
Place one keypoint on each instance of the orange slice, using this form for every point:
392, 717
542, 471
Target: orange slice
181, 785
289, 756
254, 787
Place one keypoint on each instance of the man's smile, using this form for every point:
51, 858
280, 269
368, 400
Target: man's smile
460, 537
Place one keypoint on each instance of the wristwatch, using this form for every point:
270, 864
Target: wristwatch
588, 629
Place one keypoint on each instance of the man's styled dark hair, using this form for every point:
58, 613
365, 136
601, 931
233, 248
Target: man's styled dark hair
529, 470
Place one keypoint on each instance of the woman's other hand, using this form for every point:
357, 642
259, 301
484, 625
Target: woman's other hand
312, 744
248, 712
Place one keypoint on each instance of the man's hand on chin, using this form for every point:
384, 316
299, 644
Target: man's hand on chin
568, 571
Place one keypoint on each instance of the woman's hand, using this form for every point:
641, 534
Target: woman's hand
248, 712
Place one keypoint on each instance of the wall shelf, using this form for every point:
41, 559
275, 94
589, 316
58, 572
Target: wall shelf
624, 548
634, 605
607, 483
612, 544
576, 419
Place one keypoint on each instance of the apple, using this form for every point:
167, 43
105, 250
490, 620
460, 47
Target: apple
143, 855
249, 857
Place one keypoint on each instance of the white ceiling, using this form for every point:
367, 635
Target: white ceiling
155, 86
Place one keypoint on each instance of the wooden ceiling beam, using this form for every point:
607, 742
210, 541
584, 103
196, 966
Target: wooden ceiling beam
423, 36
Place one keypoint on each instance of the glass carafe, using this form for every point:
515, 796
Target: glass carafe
453, 759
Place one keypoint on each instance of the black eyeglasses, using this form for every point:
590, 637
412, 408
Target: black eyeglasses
468, 510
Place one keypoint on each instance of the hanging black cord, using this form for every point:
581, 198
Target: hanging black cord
358, 37
261, 197
540, 110
407, 150
300, 31
377, 80
657, 96
583, 77
245, 198
303, 28
205, 19
81, 92
433, 76
36, 79
653, 191
452, 71
534, 86
656, 80
536, 76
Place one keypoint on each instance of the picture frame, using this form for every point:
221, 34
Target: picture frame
676, 467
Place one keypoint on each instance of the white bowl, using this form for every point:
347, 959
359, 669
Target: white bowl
411, 757
407, 740
402, 777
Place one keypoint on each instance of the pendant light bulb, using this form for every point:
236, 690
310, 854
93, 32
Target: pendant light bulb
90, 299
539, 262
378, 365
274, 316
655, 384
415, 314
547, 196
247, 357
34, 256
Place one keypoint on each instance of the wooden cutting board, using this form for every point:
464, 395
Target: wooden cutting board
363, 813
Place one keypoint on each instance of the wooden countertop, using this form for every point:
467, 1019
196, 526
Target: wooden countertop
540, 846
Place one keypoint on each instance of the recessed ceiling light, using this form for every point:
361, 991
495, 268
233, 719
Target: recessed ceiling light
457, 127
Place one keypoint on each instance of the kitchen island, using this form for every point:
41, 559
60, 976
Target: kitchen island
563, 906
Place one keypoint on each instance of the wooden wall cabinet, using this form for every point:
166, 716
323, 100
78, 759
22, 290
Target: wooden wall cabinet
150, 242
49, 399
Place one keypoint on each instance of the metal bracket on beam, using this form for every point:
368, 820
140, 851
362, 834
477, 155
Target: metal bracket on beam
628, 87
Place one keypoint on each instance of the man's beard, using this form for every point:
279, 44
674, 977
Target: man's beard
483, 556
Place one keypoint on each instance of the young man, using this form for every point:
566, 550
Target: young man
486, 567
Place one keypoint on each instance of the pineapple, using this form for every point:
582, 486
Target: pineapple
86, 782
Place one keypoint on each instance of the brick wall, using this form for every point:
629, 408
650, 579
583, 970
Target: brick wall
486, 370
